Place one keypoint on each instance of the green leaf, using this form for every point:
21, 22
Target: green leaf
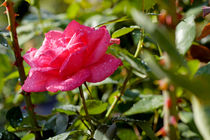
205, 70
144, 125
194, 11
73, 10
14, 116
122, 32
185, 34
186, 132
33, 3
105, 132
94, 107
160, 34
201, 114
62, 136
29, 136
67, 109
199, 85
68, 135
106, 81
147, 104
114, 21
186, 117
147, 127
137, 65
15, 74
58, 123
3, 41
6, 135
61, 123
126, 134
130, 95
149, 4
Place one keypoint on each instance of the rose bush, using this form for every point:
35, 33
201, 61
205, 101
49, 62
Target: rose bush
67, 59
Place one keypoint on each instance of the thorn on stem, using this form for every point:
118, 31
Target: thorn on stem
161, 132
4, 4
162, 62
171, 88
163, 84
168, 103
173, 121
16, 15
5, 12
8, 28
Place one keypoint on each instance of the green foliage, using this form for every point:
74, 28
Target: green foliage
122, 32
3, 41
185, 34
146, 104
14, 116
67, 109
160, 34
29, 136
166, 54
105, 132
5, 135
94, 107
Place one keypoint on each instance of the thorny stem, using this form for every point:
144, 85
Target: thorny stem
118, 97
19, 63
170, 115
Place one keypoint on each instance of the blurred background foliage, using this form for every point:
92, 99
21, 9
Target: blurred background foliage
139, 114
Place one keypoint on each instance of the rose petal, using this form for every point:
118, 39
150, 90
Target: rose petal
74, 61
68, 84
35, 82
104, 68
98, 42
55, 38
74, 27
58, 60
29, 57
54, 35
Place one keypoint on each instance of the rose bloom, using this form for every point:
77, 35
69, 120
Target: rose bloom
67, 59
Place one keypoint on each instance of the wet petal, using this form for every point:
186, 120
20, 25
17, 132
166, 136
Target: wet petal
104, 68
98, 42
74, 61
29, 57
70, 83
74, 27
36, 80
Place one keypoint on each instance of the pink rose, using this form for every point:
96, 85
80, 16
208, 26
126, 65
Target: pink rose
67, 59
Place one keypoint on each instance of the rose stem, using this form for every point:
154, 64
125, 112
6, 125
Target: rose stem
84, 122
170, 115
85, 107
88, 90
122, 91
170, 112
19, 63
